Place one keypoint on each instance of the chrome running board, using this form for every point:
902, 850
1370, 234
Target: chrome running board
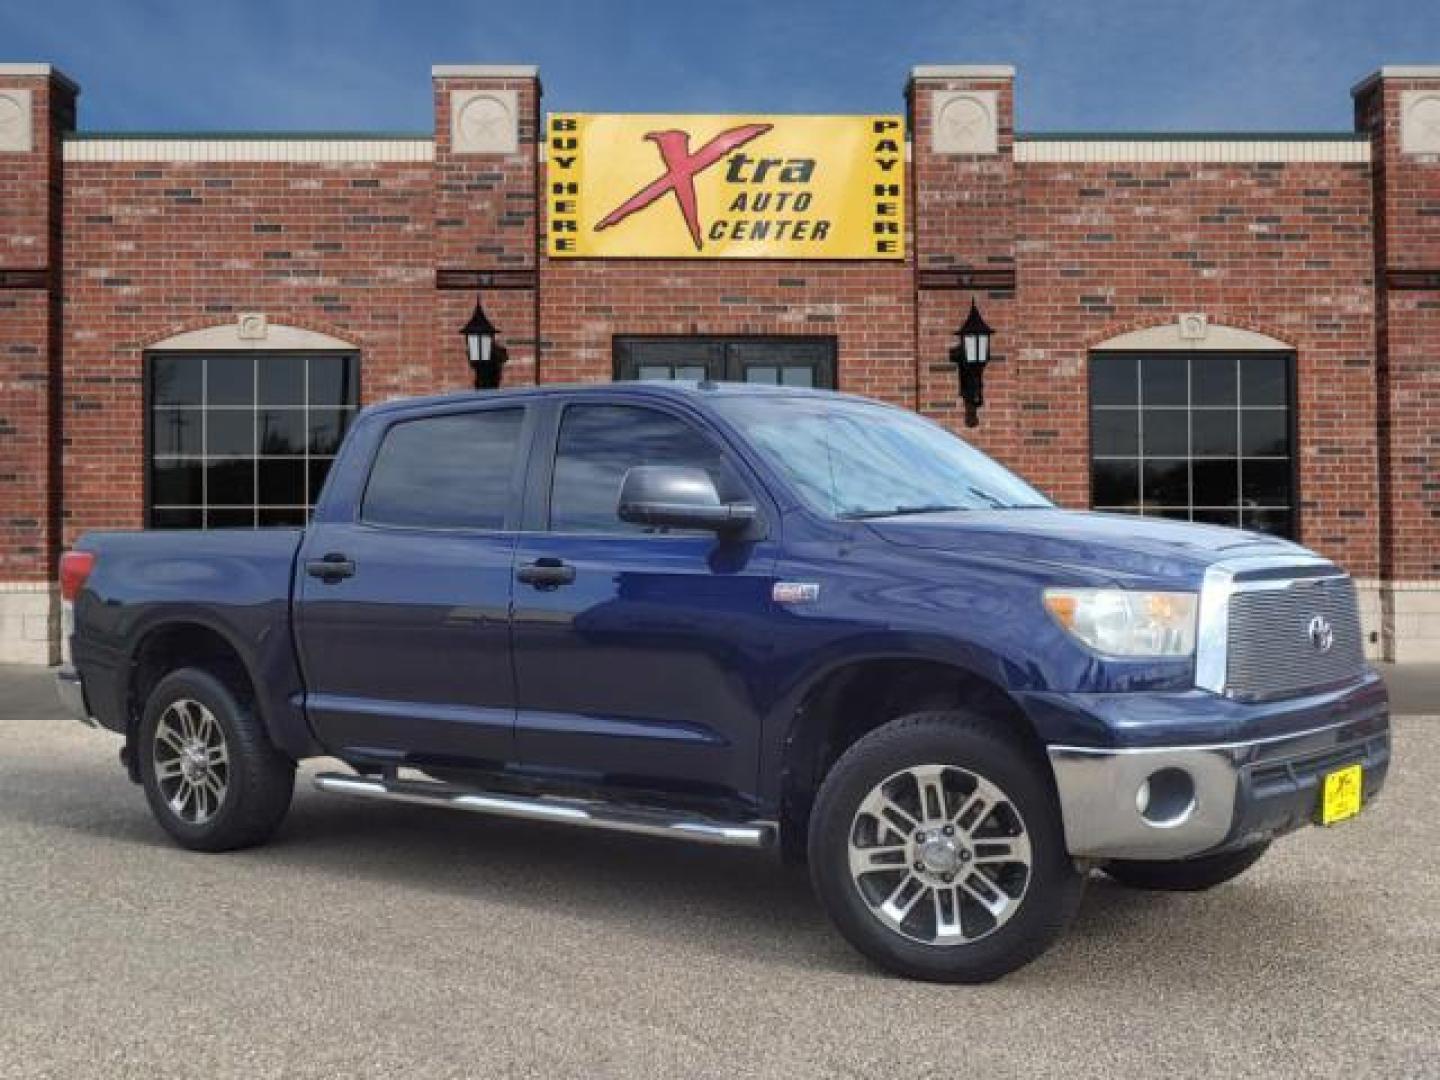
586, 813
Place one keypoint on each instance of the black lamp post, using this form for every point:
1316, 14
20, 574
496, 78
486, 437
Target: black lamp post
486, 355
970, 356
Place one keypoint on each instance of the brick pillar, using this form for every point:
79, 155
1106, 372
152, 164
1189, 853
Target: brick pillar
1400, 108
37, 105
486, 205
963, 198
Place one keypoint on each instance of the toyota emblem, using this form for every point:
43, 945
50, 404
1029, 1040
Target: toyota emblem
1322, 634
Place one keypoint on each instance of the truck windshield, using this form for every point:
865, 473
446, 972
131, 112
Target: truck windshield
851, 459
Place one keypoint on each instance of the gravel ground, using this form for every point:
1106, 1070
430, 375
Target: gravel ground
373, 940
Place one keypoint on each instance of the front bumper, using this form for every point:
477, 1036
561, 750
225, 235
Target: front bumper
72, 695
1208, 797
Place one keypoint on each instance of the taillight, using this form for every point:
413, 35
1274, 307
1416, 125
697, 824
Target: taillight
75, 567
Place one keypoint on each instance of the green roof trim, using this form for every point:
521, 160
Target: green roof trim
251, 136
1191, 136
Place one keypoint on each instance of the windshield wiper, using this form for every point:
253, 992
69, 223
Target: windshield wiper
897, 511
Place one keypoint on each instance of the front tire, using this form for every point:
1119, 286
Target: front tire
211, 775
1185, 875
936, 848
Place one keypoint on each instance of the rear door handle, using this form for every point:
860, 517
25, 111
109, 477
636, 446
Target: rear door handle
331, 568
546, 573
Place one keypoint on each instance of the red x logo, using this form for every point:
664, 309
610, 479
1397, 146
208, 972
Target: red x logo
681, 168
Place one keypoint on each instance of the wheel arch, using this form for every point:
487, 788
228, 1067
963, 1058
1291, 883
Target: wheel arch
168, 645
850, 699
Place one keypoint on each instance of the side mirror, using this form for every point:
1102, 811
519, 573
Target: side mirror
679, 497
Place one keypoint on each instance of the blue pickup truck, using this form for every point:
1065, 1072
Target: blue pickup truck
746, 616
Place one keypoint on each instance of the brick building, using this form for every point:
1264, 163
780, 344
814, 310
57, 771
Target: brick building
1231, 328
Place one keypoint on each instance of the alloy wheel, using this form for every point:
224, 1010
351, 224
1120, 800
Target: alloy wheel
940, 855
192, 761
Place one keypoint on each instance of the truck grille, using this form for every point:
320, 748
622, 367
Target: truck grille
1276, 638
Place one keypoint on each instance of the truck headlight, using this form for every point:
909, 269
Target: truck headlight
1122, 622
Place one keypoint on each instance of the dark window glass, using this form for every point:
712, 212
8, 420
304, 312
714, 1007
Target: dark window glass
283, 481
177, 381
1115, 432
1167, 432
1265, 433
1217, 483
446, 472
318, 469
284, 516
1115, 484
1114, 381
281, 380
179, 482
1206, 516
327, 427
230, 432
599, 443
226, 518
1166, 483
1212, 381
190, 517
178, 431
230, 481
1210, 440
1213, 433
1264, 380
1164, 380
1265, 482
280, 431
232, 438
332, 380
230, 381
1276, 522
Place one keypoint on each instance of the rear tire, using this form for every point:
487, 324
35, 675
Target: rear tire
936, 847
1185, 875
211, 775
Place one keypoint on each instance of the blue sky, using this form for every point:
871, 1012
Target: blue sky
364, 64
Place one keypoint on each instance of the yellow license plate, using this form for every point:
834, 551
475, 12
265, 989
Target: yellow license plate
1340, 794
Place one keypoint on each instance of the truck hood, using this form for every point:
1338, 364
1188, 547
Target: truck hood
1117, 546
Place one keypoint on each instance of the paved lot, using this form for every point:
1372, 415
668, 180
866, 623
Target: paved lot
376, 940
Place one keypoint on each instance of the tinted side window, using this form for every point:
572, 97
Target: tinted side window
445, 472
599, 443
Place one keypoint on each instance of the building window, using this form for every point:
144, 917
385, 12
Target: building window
1201, 436
774, 361
243, 439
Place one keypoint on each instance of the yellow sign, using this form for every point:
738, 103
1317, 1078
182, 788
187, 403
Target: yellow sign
725, 187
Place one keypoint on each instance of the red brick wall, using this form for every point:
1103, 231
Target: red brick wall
1064, 257
156, 248
30, 376
1407, 208
866, 306
1282, 249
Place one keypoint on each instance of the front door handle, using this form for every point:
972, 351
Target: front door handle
331, 568
546, 573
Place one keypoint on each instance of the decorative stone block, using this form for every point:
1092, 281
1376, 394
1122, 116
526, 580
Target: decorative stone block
966, 122
1420, 122
251, 326
1194, 326
17, 133
484, 122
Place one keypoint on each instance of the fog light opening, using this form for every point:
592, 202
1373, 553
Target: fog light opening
1166, 798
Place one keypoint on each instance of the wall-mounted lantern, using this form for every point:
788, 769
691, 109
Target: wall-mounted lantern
970, 356
484, 353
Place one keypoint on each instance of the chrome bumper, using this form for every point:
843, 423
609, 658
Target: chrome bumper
72, 695
1174, 802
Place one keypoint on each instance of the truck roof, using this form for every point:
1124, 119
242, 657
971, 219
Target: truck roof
639, 390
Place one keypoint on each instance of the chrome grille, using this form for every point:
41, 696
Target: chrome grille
1276, 634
